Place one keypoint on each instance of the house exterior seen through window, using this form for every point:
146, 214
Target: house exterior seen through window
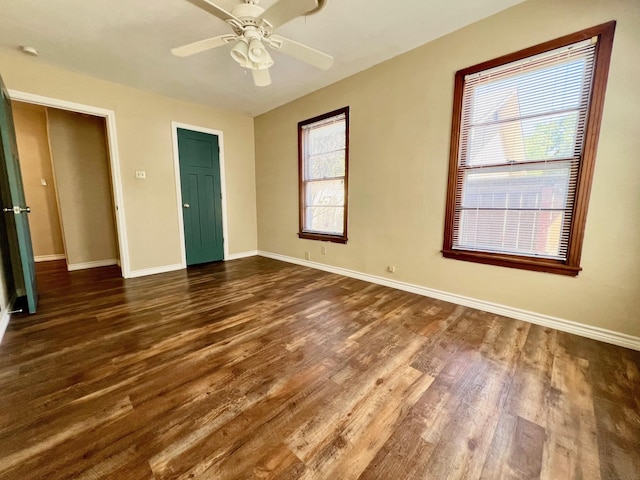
522, 153
323, 145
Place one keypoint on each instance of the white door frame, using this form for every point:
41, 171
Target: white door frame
114, 159
223, 188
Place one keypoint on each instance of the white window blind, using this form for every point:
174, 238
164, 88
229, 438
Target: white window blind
324, 166
521, 144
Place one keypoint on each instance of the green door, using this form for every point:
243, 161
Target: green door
199, 155
14, 210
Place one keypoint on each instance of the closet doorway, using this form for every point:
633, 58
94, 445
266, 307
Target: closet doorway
70, 185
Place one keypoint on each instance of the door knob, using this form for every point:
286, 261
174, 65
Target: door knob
186, 205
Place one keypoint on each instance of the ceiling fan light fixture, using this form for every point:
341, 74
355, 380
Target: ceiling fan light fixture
267, 62
261, 78
262, 66
257, 51
240, 53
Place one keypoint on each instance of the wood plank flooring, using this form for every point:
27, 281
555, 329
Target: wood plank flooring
257, 369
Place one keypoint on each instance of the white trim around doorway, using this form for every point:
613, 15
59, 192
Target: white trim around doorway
223, 189
114, 159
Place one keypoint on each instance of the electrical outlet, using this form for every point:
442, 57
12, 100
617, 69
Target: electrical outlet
323, 249
307, 255
141, 174
391, 269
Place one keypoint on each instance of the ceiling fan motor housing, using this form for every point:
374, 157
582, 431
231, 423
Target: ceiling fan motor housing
247, 13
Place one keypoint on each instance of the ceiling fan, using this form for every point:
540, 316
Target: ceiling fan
253, 28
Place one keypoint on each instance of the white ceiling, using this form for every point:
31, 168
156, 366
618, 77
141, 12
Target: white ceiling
128, 42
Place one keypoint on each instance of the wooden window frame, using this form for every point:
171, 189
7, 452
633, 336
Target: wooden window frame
570, 266
310, 235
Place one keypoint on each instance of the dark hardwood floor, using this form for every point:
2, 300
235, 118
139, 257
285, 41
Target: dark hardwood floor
259, 369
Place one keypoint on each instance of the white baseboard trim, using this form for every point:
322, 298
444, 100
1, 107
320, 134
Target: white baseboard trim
49, 258
155, 270
83, 266
235, 256
178, 266
596, 333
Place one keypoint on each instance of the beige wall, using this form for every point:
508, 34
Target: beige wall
400, 132
143, 123
81, 163
35, 163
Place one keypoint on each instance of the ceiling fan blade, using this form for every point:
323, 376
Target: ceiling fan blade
261, 78
202, 45
214, 9
301, 52
285, 10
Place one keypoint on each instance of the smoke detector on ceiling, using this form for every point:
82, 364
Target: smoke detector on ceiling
29, 51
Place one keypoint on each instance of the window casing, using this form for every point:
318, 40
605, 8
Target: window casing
523, 145
323, 166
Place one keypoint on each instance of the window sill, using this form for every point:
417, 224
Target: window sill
513, 261
323, 237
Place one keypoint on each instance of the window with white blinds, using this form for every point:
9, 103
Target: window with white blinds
323, 176
520, 152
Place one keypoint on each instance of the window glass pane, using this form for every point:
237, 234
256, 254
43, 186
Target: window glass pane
538, 138
326, 165
532, 233
325, 219
534, 187
544, 90
529, 115
326, 138
325, 192
547, 138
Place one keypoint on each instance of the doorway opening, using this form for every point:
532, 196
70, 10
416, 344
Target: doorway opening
67, 181
84, 185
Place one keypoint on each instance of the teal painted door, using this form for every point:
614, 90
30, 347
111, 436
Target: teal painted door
199, 155
15, 210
